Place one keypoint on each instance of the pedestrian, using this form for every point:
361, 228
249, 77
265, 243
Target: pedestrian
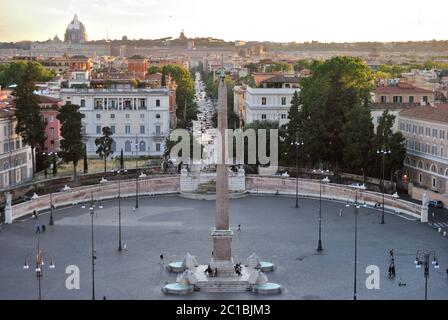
340, 212
37, 229
161, 258
43, 228
446, 273
390, 271
391, 253
239, 228
34, 214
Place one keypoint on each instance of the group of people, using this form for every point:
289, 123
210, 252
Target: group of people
40, 228
377, 205
211, 272
237, 268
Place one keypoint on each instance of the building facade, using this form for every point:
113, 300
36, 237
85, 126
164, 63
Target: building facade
15, 157
403, 93
138, 118
426, 131
49, 110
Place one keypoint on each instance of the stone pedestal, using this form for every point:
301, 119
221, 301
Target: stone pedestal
8, 208
222, 242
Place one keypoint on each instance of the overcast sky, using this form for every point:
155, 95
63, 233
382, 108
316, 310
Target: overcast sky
272, 20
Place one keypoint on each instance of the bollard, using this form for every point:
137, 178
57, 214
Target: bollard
444, 233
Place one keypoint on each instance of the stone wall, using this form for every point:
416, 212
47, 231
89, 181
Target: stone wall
310, 188
108, 190
417, 194
189, 182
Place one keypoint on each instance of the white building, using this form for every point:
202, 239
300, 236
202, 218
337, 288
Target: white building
267, 104
138, 118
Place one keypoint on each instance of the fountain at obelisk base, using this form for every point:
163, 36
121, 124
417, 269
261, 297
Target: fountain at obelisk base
221, 274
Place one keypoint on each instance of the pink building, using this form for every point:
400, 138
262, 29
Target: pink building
49, 108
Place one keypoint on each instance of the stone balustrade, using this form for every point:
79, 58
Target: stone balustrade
107, 190
310, 188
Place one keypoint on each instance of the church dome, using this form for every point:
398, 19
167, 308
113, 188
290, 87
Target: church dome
76, 31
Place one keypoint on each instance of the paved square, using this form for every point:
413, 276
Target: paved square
271, 227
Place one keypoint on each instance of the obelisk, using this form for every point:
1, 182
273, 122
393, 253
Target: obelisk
222, 235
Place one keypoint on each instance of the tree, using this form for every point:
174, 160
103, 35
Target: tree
154, 69
104, 144
14, 72
86, 161
335, 87
357, 134
30, 124
291, 134
386, 139
163, 81
72, 145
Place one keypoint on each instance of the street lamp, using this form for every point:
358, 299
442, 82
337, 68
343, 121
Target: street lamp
39, 260
92, 213
320, 172
120, 248
297, 143
383, 151
357, 206
51, 210
136, 173
422, 257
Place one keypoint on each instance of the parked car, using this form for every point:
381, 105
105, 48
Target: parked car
435, 203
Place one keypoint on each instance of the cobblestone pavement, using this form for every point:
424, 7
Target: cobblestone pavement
270, 225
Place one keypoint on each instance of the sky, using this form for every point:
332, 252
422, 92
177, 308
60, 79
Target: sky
256, 20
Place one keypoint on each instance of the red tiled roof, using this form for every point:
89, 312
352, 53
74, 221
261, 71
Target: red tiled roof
438, 112
400, 88
48, 100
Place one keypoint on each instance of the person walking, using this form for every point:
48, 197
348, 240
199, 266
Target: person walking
239, 228
161, 258
43, 228
391, 253
340, 212
34, 214
37, 229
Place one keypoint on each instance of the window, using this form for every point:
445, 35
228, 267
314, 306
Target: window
128, 116
383, 99
434, 133
157, 103
98, 129
142, 129
98, 116
52, 131
411, 99
414, 129
157, 116
6, 147
283, 101
442, 134
51, 118
283, 116
401, 125
127, 104
434, 183
263, 101
157, 129
142, 116
127, 129
420, 130
127, 146
263, 117
142, 146
18, 144
420, 178
442, 151
398, 99
83, 103
425, 99
112, 129
158, 147
428, 132
433, 150
112, 115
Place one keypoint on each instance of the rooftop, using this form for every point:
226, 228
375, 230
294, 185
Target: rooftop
438, 113
400, 88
